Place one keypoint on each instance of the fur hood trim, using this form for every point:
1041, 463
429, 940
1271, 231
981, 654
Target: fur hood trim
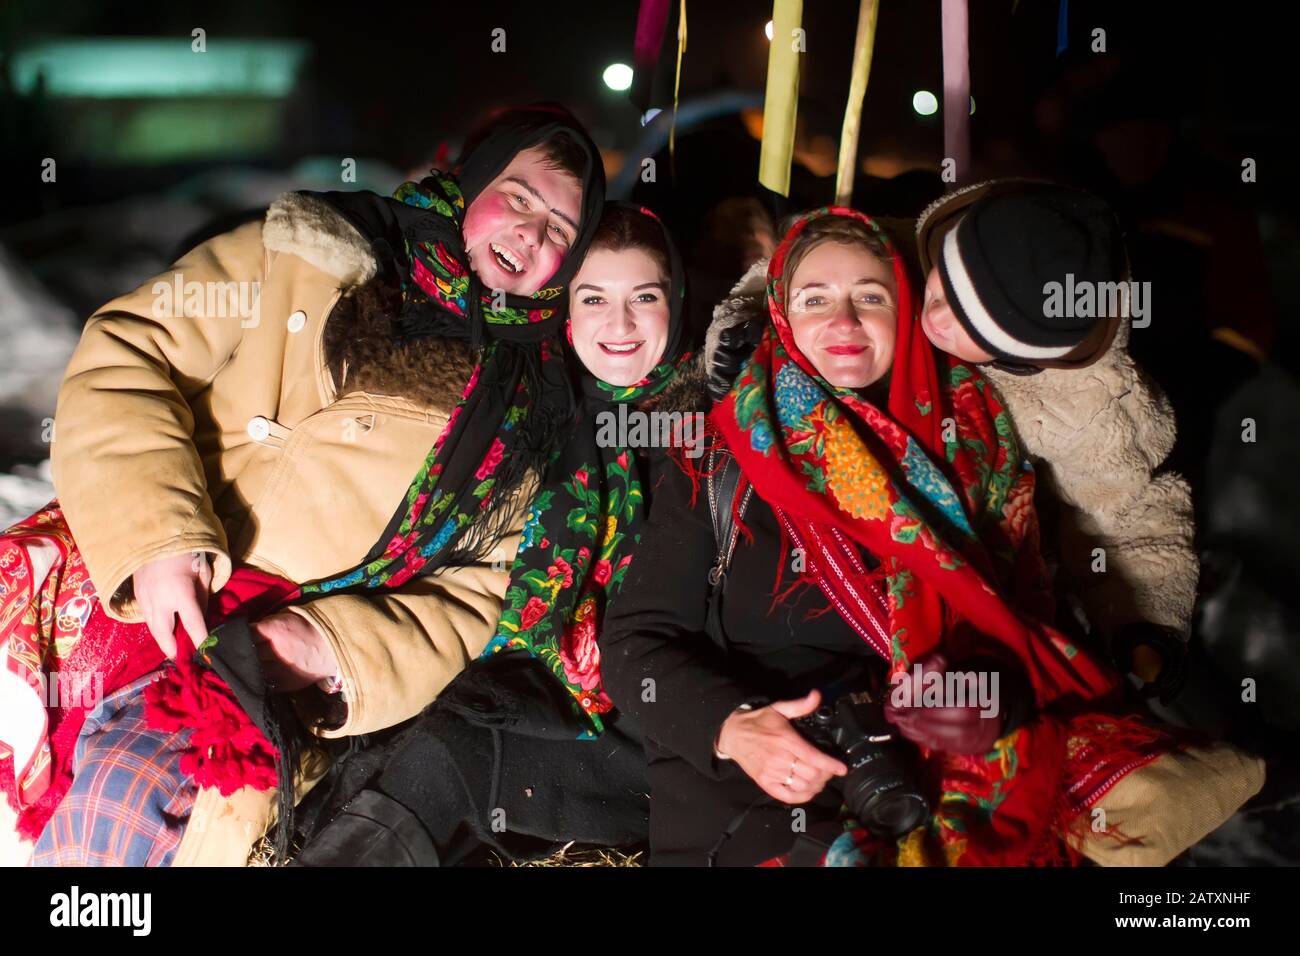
747, 300
308, 227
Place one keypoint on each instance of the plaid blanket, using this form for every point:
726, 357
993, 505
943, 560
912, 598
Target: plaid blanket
129, 801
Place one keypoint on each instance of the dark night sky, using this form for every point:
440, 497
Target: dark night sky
391, 76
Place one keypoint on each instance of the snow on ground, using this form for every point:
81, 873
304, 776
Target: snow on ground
23, 491
37, 335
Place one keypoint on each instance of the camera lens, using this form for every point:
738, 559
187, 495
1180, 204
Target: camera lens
879, 793
897, 813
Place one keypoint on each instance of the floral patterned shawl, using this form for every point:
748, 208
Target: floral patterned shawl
937, 488
582, 529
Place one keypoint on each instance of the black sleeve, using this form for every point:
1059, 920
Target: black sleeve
657, 661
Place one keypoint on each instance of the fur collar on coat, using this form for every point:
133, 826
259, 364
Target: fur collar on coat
360, 341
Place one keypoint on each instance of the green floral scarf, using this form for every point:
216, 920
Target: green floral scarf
582, 530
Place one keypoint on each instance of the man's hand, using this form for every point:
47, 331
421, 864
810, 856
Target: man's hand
764, 745
1156, 654
294, 654
735, 345
170, 588
959, 730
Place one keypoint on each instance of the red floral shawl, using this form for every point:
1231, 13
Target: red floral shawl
938, 490
71, 655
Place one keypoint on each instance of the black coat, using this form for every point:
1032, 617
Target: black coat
493, 763
662, 669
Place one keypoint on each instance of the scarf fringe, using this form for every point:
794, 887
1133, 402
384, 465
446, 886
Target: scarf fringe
1128, 742
31, 819
226, 749
695, 469
785, 546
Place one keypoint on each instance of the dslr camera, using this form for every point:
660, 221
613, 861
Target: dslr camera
880, 789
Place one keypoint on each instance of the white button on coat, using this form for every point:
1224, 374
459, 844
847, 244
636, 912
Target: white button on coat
297, 321
259, 429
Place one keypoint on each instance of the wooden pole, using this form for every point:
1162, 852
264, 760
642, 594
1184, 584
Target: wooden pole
863, 45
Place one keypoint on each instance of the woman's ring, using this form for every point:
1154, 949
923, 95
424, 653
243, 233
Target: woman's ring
789, 780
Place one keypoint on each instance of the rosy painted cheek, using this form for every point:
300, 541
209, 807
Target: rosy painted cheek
483, 218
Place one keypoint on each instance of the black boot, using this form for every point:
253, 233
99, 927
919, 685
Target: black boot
374, 830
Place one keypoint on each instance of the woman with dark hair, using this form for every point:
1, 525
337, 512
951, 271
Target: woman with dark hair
524, 750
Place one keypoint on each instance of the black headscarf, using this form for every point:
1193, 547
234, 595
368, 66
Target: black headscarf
585, 521
517, 405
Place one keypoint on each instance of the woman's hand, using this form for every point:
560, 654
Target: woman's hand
959, 730
170, 588
293, 652
764, 745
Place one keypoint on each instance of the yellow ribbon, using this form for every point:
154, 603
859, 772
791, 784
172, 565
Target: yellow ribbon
781, 103
677, 91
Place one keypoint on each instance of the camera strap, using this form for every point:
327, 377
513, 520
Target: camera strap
724, 482
730, 829
808, 849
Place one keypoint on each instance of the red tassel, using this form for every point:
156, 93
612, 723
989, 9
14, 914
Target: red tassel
226, 749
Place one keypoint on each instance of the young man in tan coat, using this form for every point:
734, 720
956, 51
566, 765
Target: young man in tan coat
283, 438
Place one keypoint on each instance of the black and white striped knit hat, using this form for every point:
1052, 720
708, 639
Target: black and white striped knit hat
1000, 245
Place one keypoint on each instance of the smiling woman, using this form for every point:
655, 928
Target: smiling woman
842, 301
619, 309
